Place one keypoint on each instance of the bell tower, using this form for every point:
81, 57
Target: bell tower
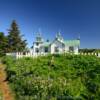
39, 38
59, 37
37, 43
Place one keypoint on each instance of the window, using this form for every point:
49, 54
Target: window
36, 50
56, 49
37, 43
71, 48
38, 39
46, 49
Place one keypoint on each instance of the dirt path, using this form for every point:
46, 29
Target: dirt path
4, 87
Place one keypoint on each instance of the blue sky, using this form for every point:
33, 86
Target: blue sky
69, 16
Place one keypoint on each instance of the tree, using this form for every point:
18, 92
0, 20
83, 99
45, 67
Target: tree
15, 40
3, 44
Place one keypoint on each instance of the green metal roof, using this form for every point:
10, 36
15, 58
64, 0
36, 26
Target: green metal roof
67, 42
72, 42
46, 44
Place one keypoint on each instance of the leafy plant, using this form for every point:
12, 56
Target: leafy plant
71, 77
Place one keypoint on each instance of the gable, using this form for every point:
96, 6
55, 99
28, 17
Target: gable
46, 44
57, 42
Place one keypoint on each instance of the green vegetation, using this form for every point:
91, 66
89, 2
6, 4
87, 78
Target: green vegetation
1, 97
89, 50
3, 44
54, 77
13, 42
16, 43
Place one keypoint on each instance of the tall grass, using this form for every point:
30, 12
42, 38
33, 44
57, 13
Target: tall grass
54, 77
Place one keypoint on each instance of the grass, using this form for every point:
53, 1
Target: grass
57, 77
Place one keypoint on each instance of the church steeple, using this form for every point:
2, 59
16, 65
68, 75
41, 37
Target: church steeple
39, 37
59, 37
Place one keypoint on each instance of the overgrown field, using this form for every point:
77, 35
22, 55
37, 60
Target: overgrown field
54, 77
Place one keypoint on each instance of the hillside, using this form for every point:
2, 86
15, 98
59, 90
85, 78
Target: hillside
54, 77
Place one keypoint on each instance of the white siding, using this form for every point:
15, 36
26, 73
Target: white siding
57, 44
66, 48
76, 49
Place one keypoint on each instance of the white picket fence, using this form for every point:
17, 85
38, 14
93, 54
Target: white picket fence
28, 54
96, 54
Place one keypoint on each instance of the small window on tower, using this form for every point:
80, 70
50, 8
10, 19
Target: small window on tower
38, 39
37, 44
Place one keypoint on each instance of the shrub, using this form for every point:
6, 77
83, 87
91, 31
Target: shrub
71, 76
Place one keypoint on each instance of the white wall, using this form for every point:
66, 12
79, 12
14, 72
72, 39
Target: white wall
98, 54
39, 47
57, 44
66, 48
76, 49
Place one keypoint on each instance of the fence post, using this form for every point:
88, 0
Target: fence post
98, 54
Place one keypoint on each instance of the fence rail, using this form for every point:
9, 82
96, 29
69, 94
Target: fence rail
21, 54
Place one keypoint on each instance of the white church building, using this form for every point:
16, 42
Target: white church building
57, 46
